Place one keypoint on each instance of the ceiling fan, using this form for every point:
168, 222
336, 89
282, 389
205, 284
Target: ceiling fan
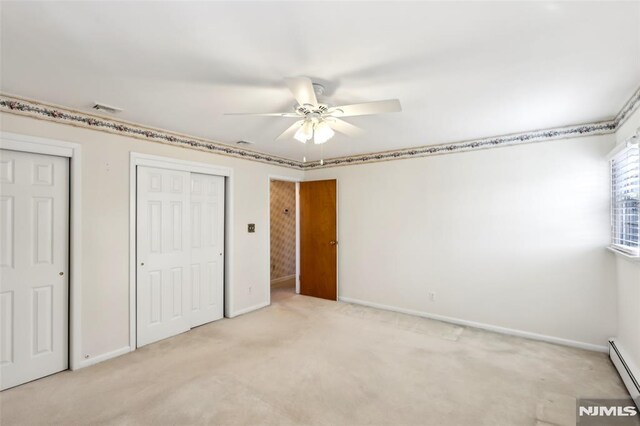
319, 121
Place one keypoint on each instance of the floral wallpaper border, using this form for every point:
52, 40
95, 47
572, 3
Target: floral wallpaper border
15, 105
472, 145
35, 109
598, 128
632, 104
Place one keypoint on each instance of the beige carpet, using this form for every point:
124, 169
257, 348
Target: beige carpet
309, 361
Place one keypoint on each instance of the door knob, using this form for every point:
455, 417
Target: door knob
141, 263
61, 273
333, 243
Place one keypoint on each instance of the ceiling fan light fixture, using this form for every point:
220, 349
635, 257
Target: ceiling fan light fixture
300, 137
320, 119
305, 132
323, 132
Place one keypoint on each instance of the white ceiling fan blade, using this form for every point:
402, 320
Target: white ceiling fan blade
265, 114
344, 127
302, 89
288, 134
366, 108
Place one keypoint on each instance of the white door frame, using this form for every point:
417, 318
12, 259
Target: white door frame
297, 182
138, 159
46, 146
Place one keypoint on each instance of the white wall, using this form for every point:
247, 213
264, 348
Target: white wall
511, 237
105, 205
628, 279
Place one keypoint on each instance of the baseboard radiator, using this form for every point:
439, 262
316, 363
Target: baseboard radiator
627, 369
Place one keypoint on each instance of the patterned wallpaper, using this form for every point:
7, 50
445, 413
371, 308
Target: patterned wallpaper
283, 229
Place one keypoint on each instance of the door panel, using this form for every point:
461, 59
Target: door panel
34, 286
318, 239
180, 225
163, 254
207, 248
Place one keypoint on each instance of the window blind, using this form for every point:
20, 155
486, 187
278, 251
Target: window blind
625, 200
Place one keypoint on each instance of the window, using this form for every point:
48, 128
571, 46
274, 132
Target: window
625, 200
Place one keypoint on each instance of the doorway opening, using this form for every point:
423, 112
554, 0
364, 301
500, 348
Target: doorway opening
284, 240
303, 238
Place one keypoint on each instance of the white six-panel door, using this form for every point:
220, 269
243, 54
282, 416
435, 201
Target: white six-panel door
207, 248
34, 250
180, 257
164, 255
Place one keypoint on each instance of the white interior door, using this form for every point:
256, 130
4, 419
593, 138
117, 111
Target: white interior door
34, 258
207, 248
163, 254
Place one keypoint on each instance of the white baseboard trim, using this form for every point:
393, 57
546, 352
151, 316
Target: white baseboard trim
629, 372
100, 358
488, 327
282, 279
249, 309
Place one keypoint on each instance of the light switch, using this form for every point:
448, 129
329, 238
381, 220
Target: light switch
251, 227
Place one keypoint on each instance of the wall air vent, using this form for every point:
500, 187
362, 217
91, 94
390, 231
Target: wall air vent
106, 108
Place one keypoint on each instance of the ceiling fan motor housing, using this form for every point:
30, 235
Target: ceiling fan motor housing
319, 120
309, 111
318, 89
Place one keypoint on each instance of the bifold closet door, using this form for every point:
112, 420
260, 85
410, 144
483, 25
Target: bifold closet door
163, 254
34, 258
207, 248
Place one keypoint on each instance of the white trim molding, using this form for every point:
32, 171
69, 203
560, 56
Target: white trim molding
104, 357
137, 159
282, 279
72, 151
21, 106
622, 254
281, 282
249, 309
482, 326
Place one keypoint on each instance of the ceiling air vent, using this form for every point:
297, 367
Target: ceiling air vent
106, 108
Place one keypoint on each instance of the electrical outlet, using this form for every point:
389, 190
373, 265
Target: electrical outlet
251, 227
432, 296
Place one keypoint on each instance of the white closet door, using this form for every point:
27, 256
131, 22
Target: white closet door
163, 254
207, 248
34, 250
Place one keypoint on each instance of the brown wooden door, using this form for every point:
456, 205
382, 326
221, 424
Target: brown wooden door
318, 239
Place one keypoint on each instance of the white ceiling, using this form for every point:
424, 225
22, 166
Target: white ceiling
461, 70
